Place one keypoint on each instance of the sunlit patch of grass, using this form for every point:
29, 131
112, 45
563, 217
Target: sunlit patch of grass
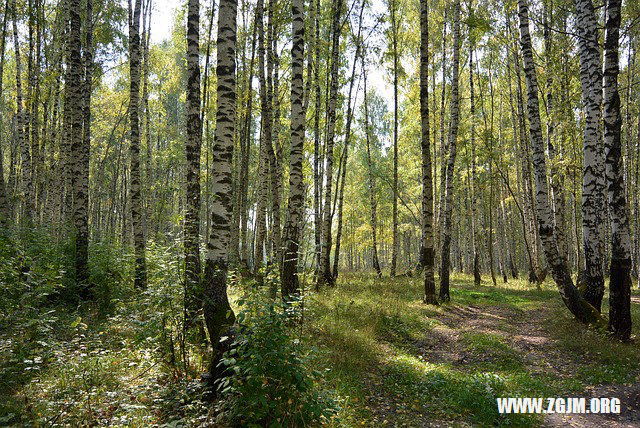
370, 331
491, 350
601, 359
438, 389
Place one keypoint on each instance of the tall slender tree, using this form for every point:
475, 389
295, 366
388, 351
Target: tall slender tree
347, 138
620, 272
265, 143
192, 147
427, 250
443, 141
372, 195
22, 138
593, 205
559, 269
5, 211
472, 137
317, 181
393, 13
557, 191
134, 142
217, 311
274, 150
325, 276
290, 283
245, 154
80, 168
454, 110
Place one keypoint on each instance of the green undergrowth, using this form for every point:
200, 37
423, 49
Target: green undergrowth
119, 359
366, 352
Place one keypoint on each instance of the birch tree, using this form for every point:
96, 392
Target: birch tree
620, 272
265, 141
290, 283
325, 276
427, 250
578, 306
5, 211
474, 202
347, 137
217, 311
393, 6
371, 182
80, 167
454, 112
134, 145
593, 205
317, 181
22, 138
192, 149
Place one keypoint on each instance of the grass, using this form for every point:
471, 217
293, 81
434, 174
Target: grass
397, 361
390, 359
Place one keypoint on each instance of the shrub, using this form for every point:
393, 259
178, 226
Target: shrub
268, 380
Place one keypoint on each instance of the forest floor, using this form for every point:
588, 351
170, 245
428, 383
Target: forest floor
390, 360
406, 364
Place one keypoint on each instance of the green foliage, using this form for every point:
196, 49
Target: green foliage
269, 380
110, 270
39, 309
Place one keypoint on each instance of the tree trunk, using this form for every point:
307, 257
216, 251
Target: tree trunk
245, 147
65, 149
372, 197
134, 187
620, 273
272, 135
559, 269
146, 37
444, 150
394, 40
317, 181
491, 181
192, 148
557, 181
80, 175
347, 140
5, 211
325, 276
295, 211
454, 110
427, 253
81, 140
592, 187
205, 119
217, 311
22, 139
32, 128
265, 144
474, 203
522, 167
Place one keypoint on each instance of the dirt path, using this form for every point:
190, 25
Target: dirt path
629, 410
541, 355
524, 331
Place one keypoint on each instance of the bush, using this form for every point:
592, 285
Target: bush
268, 380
